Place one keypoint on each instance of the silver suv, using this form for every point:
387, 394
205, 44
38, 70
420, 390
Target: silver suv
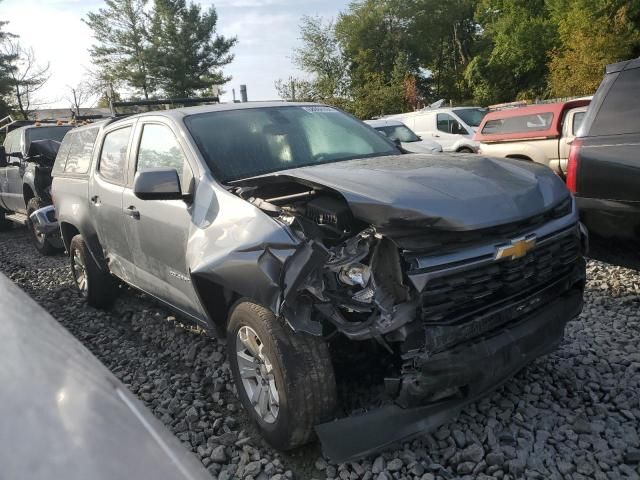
303, 235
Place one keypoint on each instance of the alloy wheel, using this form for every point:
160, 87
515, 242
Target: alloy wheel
257, 374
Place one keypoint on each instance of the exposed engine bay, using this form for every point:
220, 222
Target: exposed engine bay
346, 273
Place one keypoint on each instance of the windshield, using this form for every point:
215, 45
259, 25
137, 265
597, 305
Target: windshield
399, 132
47, 133
471, 116
247, 142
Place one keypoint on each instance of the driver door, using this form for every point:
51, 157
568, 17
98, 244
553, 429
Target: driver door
158, 230
12, 195
448, 131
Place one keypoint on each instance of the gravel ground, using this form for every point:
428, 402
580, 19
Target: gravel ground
574, 414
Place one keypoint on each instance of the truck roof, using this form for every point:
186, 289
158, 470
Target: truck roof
550, 129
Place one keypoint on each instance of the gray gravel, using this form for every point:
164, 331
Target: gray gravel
572, 415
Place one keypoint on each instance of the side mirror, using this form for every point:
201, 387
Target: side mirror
3, 157
397, 142
157, 184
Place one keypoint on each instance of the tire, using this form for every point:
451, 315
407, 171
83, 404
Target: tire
301, 373
465, 150
99, 287
40, 240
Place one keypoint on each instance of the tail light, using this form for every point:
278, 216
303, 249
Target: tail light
573, 164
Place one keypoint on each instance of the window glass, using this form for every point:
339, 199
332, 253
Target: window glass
471, 116
80, 150
159, 148
63, 154
47, 133
398, 132
113, 158
10, 142
520, 124
252, 141
448, 124
577, 122
620, 110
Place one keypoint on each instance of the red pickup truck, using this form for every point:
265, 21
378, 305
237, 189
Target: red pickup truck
540, 133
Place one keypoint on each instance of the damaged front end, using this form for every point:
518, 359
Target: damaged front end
460, 312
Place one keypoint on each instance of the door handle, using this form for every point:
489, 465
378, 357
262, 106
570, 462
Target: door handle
95, 200
436, 135
132, 212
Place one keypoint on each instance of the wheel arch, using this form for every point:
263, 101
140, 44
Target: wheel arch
520, 157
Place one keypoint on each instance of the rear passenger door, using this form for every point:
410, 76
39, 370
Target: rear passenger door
159, 230
105, 196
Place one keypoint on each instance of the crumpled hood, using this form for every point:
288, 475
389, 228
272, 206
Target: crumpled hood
452, 192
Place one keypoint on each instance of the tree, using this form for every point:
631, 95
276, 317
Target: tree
187, 53
7, 68
296, 90
593, 33
79, 95
321, 57
27, 78
121, 51
512, 59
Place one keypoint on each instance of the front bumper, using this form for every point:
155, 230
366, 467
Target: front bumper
473, 368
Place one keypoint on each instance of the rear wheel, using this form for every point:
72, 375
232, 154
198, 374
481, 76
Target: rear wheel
284, 380
99, 287
40, 240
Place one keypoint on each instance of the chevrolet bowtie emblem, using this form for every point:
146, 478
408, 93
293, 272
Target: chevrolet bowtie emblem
517, 249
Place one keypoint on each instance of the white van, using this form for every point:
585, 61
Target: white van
453, 128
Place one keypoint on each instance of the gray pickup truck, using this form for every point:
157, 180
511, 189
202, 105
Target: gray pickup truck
26, 158
301, 234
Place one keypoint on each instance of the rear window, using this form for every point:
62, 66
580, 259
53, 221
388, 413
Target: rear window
74, 156
47, 133
578, 118
521, 124
620, 110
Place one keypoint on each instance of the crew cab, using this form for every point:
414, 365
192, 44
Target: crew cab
604, 166
539, 133
301, 234
26, 159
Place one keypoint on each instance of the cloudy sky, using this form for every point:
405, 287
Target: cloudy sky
267, 31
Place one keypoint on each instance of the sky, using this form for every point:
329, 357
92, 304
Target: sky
267, 32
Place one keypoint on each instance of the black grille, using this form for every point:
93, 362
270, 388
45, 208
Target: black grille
451, 298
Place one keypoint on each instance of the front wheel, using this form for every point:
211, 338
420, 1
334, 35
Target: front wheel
97, 286
40, 240
284, 379
465, 150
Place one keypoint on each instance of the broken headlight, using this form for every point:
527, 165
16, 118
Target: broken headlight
355, 274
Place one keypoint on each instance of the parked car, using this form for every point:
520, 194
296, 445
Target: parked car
453, 128
295, 230
80, 421
604, 167
398, 132
539, 133
26, 158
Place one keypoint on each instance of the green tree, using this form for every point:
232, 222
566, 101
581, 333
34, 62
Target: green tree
7, 68
321, 57
511, 62
593, 33
188, 54
121, 51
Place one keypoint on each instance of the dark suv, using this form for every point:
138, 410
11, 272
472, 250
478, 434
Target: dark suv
305, 237
26, 159
604, 166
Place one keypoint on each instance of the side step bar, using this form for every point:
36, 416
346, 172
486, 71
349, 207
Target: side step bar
19, 218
